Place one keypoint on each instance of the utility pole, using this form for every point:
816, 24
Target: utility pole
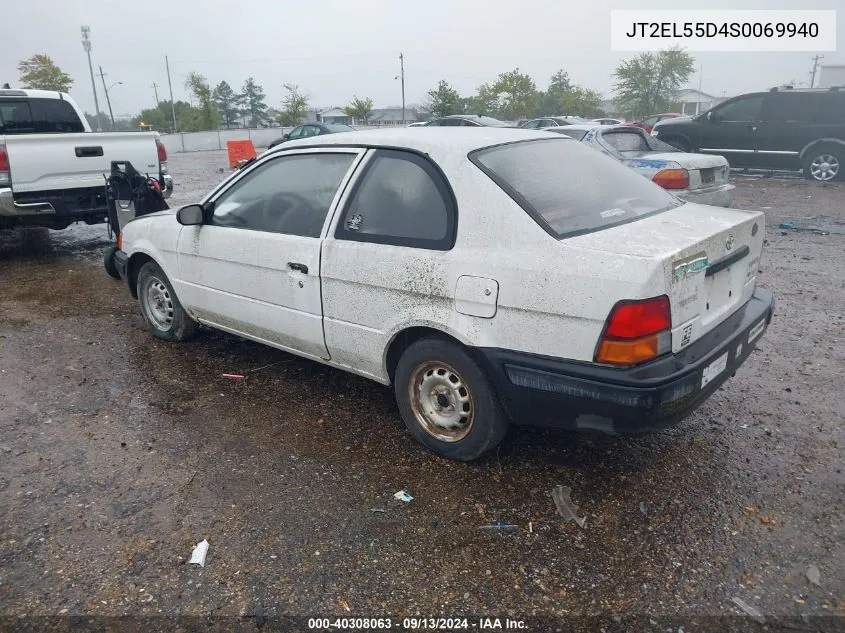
86, 44
402, 75
170, 85
106, 90
815, 64
155, 89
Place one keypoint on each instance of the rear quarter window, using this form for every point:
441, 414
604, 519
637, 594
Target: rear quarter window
570, 188
39, 116
15, 117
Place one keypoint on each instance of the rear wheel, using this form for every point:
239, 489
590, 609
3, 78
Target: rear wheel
824, 163
160, 307
446, 401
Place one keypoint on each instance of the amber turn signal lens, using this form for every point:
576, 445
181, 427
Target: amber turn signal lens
615, 352
672, 178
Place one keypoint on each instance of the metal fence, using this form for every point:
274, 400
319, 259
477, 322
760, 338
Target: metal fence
214, 140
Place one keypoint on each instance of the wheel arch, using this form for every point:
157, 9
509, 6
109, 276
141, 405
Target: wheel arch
133, 266
407, 336
820, 141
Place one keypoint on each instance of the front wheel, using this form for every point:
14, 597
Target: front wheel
160, 307
446, 400
824, 163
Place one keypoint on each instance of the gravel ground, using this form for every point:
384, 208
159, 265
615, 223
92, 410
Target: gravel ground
120, 452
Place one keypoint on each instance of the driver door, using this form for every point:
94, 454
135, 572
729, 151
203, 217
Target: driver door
730, 130
253, 267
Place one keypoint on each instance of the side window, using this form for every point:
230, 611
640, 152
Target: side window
829, 108
532, 125
744, 110
450, 122
651, 120
289, 194
310, 130
792, 108
15, 117
52, 116
401, 199
296, 132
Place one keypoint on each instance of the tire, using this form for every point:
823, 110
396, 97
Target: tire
825, 163
677, 143
466, 418
160, 307
108, 262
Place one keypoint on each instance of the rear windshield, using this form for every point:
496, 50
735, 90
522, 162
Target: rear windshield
339, 127
568, 131
38, 116
570, 188
634, 144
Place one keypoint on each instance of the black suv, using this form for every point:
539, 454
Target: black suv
779, 129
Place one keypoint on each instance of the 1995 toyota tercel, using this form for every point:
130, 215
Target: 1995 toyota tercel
490, 275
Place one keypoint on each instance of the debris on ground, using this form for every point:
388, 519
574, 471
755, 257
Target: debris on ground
234, 376
198, 554
814, 575
643, 509
403, 495
377, 510
498, 526
565, 507
748, 609
345, 605
803, 229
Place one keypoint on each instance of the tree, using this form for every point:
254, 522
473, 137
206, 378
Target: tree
41, 73
252, 102
161, 117
104, 124
486, 102
650, 81
227, 102
206, 116
294, 106
581, 102
516, 93
445, 100
559, 84
359, 109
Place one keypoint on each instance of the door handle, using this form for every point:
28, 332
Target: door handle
300, 267
88, 152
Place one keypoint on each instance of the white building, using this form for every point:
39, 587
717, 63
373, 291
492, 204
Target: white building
693, 102
831, 75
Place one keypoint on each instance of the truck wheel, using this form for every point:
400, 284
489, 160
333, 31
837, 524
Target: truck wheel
446, 401
108, 262
160, 307
824, 163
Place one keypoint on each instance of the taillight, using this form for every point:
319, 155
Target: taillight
635, 332
5, 170
672, 178
162, 151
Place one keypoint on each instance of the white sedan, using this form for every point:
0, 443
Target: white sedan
492, 276
695, 177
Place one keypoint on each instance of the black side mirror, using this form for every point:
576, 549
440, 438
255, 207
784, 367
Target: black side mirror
286, 137
191, 215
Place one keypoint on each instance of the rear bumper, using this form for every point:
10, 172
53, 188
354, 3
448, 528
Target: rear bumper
543, 391
167, 185
720, 196
11, 209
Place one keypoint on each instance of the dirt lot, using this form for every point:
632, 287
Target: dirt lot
120, 452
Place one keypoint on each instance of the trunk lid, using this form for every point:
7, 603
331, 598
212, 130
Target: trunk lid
704, 258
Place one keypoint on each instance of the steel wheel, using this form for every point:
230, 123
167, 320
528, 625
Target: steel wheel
441, 401
158, 304
824, 167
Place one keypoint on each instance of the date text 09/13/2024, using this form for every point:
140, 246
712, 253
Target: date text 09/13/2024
415, 623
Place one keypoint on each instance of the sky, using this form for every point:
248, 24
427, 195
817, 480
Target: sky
335, 49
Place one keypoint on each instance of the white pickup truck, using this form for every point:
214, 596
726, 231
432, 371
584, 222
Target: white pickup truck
53, 168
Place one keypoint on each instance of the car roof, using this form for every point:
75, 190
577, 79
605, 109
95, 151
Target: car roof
436, 141
27, 92
586, 127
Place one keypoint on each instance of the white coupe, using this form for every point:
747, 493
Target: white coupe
490, 275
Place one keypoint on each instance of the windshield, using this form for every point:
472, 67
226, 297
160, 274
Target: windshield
570, 188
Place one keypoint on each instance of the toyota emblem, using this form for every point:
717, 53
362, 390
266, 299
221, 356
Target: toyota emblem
729, 243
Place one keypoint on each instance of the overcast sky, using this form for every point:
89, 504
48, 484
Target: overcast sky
335, 49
